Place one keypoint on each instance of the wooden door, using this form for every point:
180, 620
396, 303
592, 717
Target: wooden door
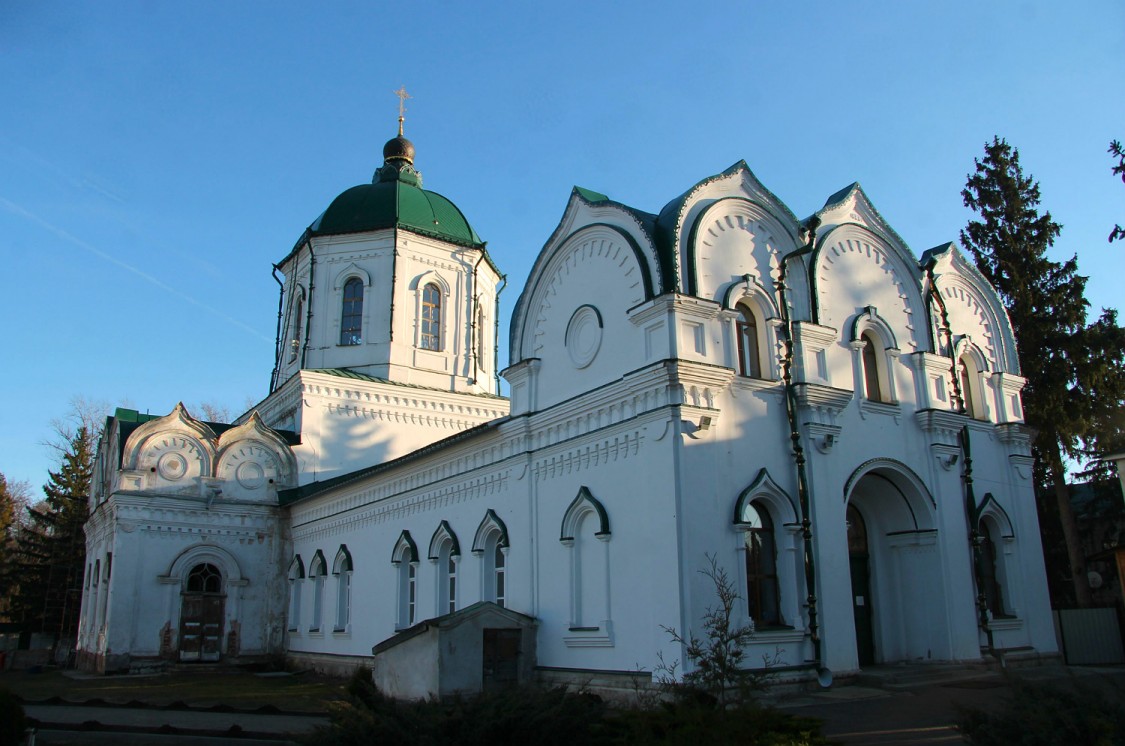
500, 666
201, 614
201, 627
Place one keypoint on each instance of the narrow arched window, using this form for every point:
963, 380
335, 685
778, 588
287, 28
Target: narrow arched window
446, 560
351, 316
411, 596
498, 570
295, 341
482, 340
296, 578
407, 571
405, 560
873, 390
342, 569
990, 573
967, 390
451, 583
972, 394
761, 566
316, 572
431, 318
749, 349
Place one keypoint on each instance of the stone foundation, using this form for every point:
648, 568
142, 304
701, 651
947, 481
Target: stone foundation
329, 665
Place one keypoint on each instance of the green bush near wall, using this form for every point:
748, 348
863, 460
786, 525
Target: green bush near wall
1048, 715
553, 717
12, 721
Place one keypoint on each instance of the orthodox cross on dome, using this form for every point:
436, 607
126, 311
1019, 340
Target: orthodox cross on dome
402, 96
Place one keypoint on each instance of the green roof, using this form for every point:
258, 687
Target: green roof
396, 199
131, 415
590, 195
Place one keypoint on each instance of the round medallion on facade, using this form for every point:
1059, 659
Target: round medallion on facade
250, 475
172, 466
584, 335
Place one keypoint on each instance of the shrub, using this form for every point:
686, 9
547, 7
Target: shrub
719, 676
681, 723
12, 721
545, 717
1046, 715
552, 717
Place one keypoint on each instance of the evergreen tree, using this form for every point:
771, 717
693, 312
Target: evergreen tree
13, 503
1118, 152
1074, 371
53, 545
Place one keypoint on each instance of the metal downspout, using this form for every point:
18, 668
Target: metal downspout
277, 338
394, 286
496, 335
824, 675
973, 511
474, 304
931, 296
309, 303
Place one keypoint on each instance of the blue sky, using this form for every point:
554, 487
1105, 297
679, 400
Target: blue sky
157, 157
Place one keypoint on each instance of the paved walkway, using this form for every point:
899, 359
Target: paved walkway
67, 724
898, 705
884, 706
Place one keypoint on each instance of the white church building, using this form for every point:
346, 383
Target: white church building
718, 379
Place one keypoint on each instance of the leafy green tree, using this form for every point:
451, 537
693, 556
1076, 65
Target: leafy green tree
1075, 374
53, 546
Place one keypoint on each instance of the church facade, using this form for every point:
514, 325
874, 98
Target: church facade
832, 421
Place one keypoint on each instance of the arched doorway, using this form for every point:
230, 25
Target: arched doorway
898, 591
201, 614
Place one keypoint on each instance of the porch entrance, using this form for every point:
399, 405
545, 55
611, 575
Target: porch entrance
859, 559
201, 614
898, 588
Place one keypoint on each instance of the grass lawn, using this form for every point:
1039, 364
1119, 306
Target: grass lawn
241, 690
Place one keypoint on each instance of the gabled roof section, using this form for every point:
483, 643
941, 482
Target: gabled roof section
454, 619
290, 496
947, 258
646, 220
672, 224
852, 205
586, 209
590, 195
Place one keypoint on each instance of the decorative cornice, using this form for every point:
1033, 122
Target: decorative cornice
1023, 465
586, 456
689, 373
380, 505
941, 423
823, 436
1015, 434
369, 397
806, 331
946, 454
888, 409
820, 397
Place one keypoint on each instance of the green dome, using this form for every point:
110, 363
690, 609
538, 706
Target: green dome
395, 198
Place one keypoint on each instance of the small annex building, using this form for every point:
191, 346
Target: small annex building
716, 379
481, 648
